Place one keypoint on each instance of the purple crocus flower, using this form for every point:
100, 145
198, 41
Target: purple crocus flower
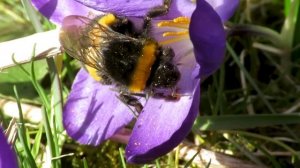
7, 155
93, 113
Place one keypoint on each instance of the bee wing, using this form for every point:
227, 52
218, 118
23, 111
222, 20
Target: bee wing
75, 41
81, 38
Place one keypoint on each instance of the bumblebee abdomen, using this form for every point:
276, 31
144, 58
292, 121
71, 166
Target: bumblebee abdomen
120, 59
129, 63
143, 67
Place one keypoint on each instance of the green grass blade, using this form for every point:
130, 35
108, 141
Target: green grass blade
265, 138
287, 6
289, 26
255, 86
22, 132
271, 158
248, 77
189, 163
229, 122
85, 164
208, 164
220, 91
31, 13
244, 150
49, 137
56, 107
37, 144
121, 151
157, 164
56, 98
46, 110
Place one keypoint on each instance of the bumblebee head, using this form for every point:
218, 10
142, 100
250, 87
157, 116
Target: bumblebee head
166, 76
122, 25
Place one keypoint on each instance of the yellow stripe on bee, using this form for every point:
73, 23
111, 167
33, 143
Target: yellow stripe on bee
93, 72
95, 33
143, 68
107, 20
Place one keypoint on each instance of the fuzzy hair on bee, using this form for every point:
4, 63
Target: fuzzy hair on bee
119, 54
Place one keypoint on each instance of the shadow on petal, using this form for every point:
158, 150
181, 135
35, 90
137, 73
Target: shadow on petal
56, 10
92, 112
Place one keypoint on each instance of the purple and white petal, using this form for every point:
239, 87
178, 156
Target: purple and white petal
179, 8
161, 126
139, 8
56, 10
224, 8
135, 8
93, 113
184, 55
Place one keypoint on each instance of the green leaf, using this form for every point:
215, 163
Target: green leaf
15, 74
228, 122
121, 153
289, 26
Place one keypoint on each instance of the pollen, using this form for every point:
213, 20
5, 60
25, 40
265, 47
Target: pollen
175, 36
93, 72
175, 33
107, 20
180, 22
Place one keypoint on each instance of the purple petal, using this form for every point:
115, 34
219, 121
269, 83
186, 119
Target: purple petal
208, 37
224, 8
180, 8
161, 126
56, 10
93, 113
122, 7
184, 56
7, 155
139, 8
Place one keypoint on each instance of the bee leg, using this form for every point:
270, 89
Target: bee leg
155, 12
175, 95
131, 101
159, 10
105, 80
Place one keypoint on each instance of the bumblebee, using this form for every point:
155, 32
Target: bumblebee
121, 55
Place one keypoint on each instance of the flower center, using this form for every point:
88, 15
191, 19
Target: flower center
175, 36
